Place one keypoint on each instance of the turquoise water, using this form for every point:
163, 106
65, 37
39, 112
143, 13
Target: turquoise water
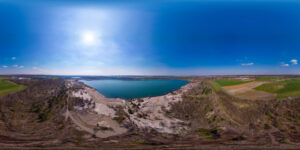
128, 89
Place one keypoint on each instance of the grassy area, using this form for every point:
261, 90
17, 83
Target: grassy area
283, 89
7, 87
2, 78
208, 132
269, 78
215, 85
230, 82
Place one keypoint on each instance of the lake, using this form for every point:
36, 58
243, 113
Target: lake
128, 89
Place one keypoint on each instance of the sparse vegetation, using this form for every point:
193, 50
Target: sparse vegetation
119, 119
209, 115
206, 91
121, 115
33, 113
213, 133
130, 111
102, 128
215, 85
140, 143
194, 107
142, 115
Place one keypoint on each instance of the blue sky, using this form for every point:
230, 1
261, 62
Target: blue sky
191, 37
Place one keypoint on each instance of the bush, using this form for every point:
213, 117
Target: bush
45, 116
130, 111
214, 133
119, 119
267, 126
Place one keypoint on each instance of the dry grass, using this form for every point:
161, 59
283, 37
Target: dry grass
255, 95
240, 85
246, 91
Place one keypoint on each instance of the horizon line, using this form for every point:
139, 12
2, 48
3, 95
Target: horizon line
155, 75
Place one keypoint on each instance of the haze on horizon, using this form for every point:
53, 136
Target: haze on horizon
89, 37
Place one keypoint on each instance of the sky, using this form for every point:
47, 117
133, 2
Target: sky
157, 37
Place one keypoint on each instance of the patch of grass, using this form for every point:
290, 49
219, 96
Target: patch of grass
230, 82
271, 87
269, 78
140, 143
119, 119
283, 89
206, 91
284, 140
209, 132
103, 128
215, 85
45, 116
3, 78
7, 87
212, 119
269, 115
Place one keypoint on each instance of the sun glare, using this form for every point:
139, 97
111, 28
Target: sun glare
88, 38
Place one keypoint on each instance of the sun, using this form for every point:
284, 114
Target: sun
88, 38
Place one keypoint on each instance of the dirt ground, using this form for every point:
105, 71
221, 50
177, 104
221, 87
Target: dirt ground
193, 117
246, 91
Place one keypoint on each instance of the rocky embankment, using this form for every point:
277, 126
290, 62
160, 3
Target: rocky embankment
105, 117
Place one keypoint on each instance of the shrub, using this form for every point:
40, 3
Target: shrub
130, 111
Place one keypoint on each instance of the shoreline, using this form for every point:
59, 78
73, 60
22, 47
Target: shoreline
130, 99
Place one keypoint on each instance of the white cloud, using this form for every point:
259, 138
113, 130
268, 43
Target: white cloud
4, 66
284, 64
34, 68
294, 61
248, 64
13, 58
17, 66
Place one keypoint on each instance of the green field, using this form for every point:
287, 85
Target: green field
283, 89
7, 87
269, 78
229, 82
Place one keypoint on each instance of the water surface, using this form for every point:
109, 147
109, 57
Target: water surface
128, 89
